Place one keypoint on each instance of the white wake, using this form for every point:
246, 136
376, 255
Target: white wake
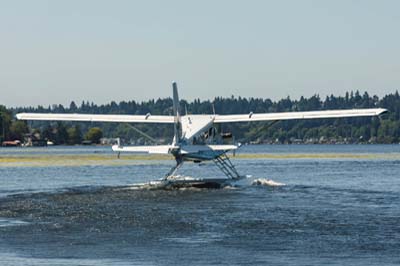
266, 182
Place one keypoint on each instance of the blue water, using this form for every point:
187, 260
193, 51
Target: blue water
341, 210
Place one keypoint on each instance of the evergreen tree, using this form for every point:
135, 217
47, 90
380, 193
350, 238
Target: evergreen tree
74, 135
94, 135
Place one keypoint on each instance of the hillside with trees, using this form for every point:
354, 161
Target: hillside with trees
385, 129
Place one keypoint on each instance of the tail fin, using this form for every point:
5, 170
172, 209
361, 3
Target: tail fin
177, 120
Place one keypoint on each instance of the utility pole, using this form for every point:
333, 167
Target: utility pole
2, 126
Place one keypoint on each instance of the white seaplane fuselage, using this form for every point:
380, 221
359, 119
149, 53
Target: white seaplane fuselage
194, 144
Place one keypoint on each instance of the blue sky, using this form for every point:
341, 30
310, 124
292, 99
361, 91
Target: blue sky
57, 51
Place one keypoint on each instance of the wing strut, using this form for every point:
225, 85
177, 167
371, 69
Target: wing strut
271, 124
143, 134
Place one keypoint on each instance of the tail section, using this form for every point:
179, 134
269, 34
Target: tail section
177, 117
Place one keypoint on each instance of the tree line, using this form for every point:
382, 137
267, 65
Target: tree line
385, 129
58, 133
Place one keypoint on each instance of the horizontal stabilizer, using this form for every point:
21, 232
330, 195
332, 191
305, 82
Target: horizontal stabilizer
204, 148
157, 149
222, 147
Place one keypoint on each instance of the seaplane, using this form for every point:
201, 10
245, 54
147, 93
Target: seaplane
196, 138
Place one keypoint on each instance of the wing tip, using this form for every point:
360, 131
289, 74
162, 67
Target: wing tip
20, 116
382, 111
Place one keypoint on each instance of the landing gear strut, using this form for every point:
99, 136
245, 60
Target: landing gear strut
179, 163
222, 161
226, 166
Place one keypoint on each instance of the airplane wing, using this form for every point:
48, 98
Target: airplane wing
298, 115
217, 119
98, 118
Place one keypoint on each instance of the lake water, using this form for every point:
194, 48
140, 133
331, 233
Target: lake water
340, 205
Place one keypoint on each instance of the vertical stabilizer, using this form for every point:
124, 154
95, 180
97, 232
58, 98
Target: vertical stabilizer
177, 118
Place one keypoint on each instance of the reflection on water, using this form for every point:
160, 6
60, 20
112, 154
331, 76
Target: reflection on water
11, 222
